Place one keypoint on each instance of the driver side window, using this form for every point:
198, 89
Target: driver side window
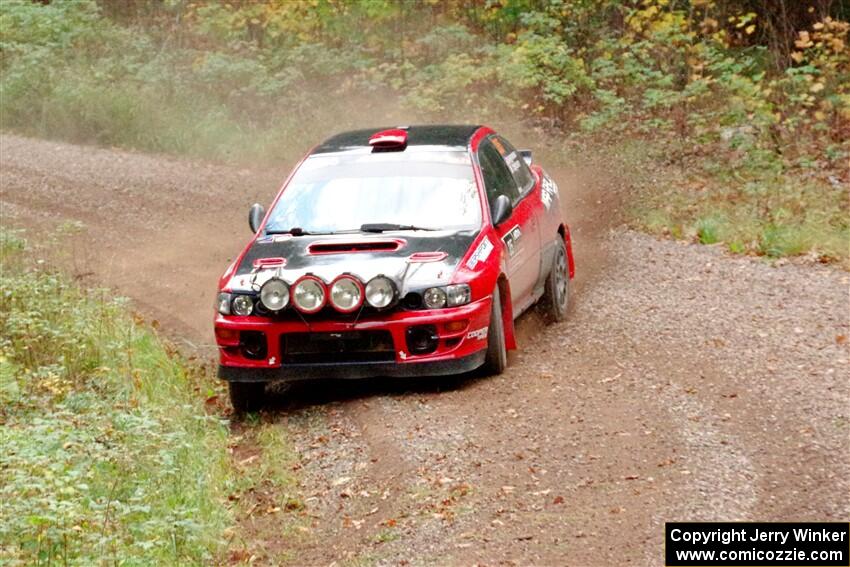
497, 177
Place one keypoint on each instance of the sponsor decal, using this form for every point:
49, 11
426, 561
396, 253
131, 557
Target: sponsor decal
496, 142
477, 333
511, 239
272, 360
481, 253
549, 191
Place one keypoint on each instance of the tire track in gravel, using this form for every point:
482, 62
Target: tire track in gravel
685, 385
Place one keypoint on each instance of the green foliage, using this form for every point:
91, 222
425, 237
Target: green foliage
749, 209
763, 95
107, 454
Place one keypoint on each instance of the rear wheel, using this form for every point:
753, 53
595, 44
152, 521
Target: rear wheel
497, 353
556, 296
246, 397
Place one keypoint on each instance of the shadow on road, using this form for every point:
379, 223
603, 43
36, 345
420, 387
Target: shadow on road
285, 397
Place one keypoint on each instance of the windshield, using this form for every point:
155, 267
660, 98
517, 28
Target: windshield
430, 189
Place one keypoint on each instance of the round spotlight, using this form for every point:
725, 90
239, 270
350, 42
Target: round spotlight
308, 294
434, 298
346, 294
242, 305
380, 292
274, 294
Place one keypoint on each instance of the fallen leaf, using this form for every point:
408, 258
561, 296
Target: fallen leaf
248, 461
558, 500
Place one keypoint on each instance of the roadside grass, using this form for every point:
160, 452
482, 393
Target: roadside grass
765, 217
754, 209
108, 455
269, 512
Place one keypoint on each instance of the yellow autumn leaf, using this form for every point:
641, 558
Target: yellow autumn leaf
816, 88
750, 29
797, 56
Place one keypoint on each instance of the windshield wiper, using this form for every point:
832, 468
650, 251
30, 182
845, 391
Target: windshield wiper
387, 226
294, 231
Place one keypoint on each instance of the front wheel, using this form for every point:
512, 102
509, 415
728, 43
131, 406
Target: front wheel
556, 296
497, 354
246, 397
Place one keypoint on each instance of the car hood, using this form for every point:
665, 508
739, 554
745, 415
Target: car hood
413, 259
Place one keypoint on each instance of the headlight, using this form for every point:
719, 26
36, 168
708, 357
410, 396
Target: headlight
346, 294
223, 303
308, 294
242, 305
434, 298
380, 292
274, 294
458, 294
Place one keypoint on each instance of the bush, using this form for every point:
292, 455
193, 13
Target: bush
107, 454
756, 97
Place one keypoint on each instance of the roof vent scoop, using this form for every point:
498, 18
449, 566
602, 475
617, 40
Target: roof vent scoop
394, 140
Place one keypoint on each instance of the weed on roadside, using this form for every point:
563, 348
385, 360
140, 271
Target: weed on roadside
107, 455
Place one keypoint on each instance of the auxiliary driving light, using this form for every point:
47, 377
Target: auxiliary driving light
346, 294
274, 294
380, 292
309, 294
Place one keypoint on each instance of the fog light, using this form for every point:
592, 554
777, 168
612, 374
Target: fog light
253, 344
422, 339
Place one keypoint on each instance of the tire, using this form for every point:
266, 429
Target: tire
497, 354
246, 397
556, 295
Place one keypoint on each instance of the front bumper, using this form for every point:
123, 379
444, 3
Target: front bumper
347, 370
461, 345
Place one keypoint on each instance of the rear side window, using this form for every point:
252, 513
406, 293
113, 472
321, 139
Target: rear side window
497, 177
517, 166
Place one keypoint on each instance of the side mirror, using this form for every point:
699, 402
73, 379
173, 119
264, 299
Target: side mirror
501, 210
255, 217
526, 155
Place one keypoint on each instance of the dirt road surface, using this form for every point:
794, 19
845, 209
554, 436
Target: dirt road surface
686, 384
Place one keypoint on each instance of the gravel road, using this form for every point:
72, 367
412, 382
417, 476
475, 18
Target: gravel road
686, 384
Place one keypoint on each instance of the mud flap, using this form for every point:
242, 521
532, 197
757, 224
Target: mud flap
568, 241
507, 314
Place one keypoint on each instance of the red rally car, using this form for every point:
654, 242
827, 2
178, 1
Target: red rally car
400, 252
